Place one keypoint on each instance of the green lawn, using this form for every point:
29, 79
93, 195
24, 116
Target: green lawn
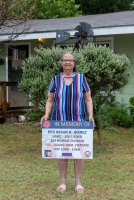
24, 175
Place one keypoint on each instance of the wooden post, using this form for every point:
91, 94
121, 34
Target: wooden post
4, 102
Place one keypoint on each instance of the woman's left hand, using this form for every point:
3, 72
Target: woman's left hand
91, 119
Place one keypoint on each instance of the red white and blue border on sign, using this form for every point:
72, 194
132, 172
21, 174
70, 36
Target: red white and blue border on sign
69, 139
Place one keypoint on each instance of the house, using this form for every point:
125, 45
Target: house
114, 29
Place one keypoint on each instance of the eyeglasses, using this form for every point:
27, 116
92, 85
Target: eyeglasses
64, 60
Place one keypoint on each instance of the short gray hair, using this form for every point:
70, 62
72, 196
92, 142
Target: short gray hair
69, 52
74, 69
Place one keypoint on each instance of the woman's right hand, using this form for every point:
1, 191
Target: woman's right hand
45, 117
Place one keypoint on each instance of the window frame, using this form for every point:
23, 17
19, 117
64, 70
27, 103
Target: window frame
97, 40
105, 40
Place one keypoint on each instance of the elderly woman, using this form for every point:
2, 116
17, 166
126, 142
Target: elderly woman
69, 98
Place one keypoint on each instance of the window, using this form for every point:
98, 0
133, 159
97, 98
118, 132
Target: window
64, 43
108, 41
16, 56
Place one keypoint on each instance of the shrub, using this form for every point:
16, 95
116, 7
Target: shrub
33, 114
121, 117
131, 107
116, 114
105, 71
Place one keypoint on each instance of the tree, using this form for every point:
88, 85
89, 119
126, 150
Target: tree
14, 17
105, 71
104, 6
49, 9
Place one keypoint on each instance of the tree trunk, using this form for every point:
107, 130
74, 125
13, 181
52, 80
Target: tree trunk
96, 128
99, 136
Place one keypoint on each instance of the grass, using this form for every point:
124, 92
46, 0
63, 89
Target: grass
24, 175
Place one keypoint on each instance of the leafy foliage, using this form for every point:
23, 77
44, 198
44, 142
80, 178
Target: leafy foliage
105, 71
131, 107
38, 71
33, 114
104, 6
49, 9
14, 14
116, 114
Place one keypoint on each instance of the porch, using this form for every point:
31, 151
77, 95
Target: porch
6, 111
